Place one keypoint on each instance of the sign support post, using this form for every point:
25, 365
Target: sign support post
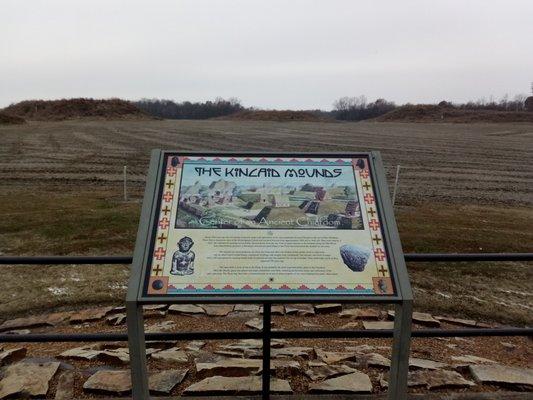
137, 346
287, 216
400, 351
134, 308
404, 309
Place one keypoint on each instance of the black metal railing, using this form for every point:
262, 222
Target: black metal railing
409, 257
277, 334
267, 333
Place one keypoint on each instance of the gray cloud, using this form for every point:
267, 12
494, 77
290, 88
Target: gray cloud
273, 54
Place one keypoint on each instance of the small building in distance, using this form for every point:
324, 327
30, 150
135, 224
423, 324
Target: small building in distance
321, 194
218, 192
280, 200
221, 191
352, 209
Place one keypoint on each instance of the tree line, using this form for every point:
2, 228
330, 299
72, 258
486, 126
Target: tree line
358, 108
517, 103
344, 109
169, 109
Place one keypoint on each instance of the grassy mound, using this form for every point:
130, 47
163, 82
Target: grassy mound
57, 110
275, 115
433, 113
7, 119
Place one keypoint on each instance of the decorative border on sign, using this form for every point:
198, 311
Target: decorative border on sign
369, 200
158, 281
270, 160
247, 290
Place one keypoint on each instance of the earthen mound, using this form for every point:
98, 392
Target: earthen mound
57, 110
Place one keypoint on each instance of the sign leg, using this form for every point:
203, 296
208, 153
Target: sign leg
266, 351
400, 351
139, 374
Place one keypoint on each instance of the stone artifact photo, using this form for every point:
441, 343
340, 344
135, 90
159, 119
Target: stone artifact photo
183, 258
355, 257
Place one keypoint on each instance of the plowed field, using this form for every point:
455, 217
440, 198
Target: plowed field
446, 163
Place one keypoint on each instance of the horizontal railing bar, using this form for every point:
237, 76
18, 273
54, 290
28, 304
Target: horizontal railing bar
422, 333
409, 257
443, 257
57, 260
122, 337
167, 336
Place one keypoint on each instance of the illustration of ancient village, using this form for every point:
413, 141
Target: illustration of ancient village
224, 204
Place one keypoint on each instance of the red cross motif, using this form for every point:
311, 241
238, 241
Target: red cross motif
168, 196
373, 224
363, 173
369, 199
171, 171
160, 253
164, 223
379, 254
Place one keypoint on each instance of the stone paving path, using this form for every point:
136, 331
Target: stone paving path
196, 368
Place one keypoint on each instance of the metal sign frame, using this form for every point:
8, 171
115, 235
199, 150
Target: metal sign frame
402, 299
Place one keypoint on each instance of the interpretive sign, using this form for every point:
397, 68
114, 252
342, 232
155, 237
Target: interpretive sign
267, 228
267, 225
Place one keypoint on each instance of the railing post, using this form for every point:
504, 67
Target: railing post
265, 390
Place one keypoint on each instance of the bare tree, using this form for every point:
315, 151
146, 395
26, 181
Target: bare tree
357, 108
187, 110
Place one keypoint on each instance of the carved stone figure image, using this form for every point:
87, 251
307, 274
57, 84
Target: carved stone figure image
183, 258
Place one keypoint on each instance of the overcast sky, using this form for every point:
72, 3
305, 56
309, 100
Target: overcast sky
270, 54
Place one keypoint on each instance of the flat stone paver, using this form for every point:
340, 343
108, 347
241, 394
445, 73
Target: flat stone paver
502, 374
27, 379
220, 385
356, 382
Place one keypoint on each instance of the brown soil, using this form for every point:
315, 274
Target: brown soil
443, 163
57, 110
7, 119
276, 115
432, 113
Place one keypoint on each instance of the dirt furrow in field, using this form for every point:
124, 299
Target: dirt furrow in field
452, 162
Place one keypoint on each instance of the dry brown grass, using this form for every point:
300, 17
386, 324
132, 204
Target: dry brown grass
433, 113
276, 115
58, 110
7, 119
463, 188
97, 222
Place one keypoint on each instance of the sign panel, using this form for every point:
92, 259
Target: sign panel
267, 225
